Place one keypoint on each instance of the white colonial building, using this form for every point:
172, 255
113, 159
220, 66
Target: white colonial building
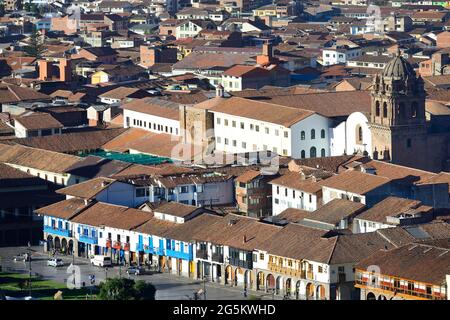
351, 135
242, 125
293, 190
339, 55
152, 114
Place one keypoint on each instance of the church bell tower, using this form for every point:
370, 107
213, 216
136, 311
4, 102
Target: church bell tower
397, 116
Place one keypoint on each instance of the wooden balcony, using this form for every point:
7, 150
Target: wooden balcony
401, 291
285, 270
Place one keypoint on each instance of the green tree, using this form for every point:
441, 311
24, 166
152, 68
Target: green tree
2, 9
26, 6
35, 48
144, 290
126, 289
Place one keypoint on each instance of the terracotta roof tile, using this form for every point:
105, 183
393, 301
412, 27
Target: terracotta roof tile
176, 209
355, 182
336, 210
391, 207
66, 209
293, 180
428, 263
38, 121
248, 176
262, 111
10, 93
112, 216
37, 158
71, 142
154, 106
328, 104
87, 189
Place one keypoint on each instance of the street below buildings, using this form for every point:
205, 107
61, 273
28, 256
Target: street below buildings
169, 287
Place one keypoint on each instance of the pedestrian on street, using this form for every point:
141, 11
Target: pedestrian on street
245, 292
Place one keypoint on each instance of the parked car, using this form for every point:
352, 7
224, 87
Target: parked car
55, 262
25, 257
136, 270
101, 261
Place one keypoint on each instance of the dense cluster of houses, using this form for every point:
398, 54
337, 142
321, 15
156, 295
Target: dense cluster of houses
296, 148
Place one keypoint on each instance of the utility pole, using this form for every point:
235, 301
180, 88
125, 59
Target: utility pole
29, 280
73, 266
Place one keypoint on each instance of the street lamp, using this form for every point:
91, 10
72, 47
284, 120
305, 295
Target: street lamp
29, 260
73, 266
204, 287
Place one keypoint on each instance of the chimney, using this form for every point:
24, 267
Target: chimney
65, 70
267, 50
44, 70
266, 56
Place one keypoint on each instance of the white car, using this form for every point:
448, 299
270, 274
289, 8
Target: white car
55, 262
101, 261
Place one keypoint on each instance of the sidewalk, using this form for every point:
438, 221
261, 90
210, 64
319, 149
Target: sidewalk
216, 285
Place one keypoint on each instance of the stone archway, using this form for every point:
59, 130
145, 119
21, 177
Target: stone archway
381, 297
248, 279
270, 282
320, 292
370, 296
260, 281
50, 244
70, 247
297, 289
238, 277
64, 245
229, 275
279, 285
310, 289
288, 287
57, 243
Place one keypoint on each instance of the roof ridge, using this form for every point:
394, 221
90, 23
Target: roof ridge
274, 104
386, 238
408, 168
334, 248
12, 91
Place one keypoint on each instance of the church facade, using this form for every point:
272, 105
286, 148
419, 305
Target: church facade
396, 129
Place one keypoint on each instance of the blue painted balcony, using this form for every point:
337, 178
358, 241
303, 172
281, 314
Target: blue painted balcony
87, 239
180, 255
58, 231
148, 249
